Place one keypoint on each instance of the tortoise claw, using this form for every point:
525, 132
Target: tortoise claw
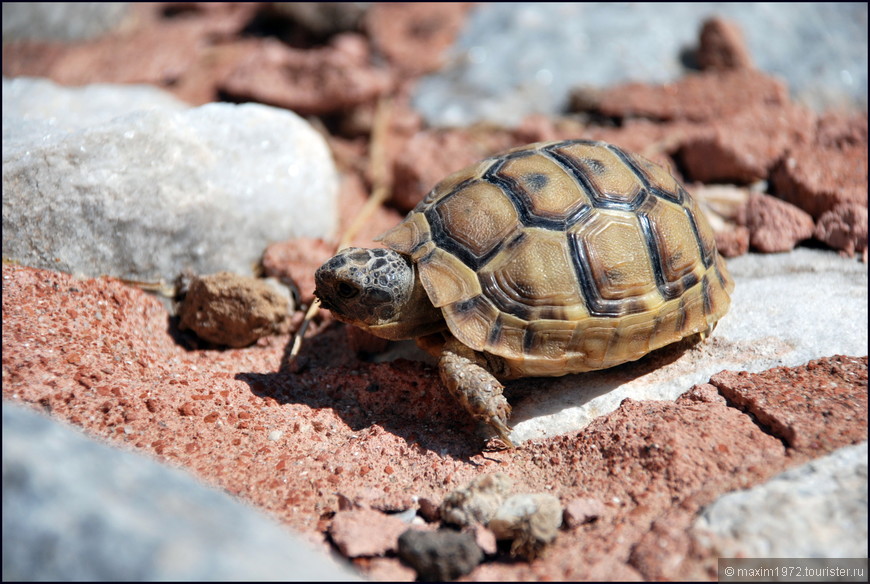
503, 431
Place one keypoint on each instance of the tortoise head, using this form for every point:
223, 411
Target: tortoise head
377, 290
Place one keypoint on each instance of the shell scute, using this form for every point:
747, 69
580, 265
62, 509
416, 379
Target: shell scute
459, 226
533, 278
604, 173
446, 279
613, 264
544, 190
677, 258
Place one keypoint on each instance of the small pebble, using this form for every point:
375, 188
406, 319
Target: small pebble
232, 310
485, 539
531, 521
477, 502
582, 510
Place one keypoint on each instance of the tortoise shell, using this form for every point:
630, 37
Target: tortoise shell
562, 257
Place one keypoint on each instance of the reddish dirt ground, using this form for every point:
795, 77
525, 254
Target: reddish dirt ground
333, 433
337, 433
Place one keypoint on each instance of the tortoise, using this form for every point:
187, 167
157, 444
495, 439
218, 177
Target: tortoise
547, 259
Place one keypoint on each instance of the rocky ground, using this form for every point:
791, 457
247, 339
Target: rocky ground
112, 191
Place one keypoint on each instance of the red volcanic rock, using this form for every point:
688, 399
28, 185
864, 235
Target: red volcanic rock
818, 178
698, 98
414, 36
313, 81
342, 436
822, 405
844, 228
742, 148
733, 242
155, 48
295, 261
583, 510
722, 47
366, 532
656, 141
429, 156
838, 129
829, 171
774, 225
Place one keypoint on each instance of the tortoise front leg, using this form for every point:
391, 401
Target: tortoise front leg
467, 377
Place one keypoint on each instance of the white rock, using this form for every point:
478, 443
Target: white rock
57, 109
818, 510
151, 193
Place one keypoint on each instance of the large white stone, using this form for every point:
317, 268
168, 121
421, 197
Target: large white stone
149, 194
36, 109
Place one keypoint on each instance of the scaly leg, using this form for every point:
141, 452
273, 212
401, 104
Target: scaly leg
467, 377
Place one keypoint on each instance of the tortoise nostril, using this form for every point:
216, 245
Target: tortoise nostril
346, 290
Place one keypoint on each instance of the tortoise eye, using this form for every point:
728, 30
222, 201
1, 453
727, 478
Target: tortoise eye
346, 290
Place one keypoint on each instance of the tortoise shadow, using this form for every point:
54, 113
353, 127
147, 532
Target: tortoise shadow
402, 396
329, 374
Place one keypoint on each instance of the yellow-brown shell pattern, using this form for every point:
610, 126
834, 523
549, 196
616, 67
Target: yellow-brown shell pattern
564, 257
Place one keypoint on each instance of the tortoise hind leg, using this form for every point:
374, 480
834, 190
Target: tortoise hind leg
468, 378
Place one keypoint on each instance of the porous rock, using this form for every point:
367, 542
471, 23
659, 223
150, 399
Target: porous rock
431, 155
366, 532
485, 539
774, 225
733, 242
311, 82
818, 178
582, 510
530, 520
477, 502
415, 35
744, 147
699, 98
722, 46
295, 261
844, 228
232, 310
802, 405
